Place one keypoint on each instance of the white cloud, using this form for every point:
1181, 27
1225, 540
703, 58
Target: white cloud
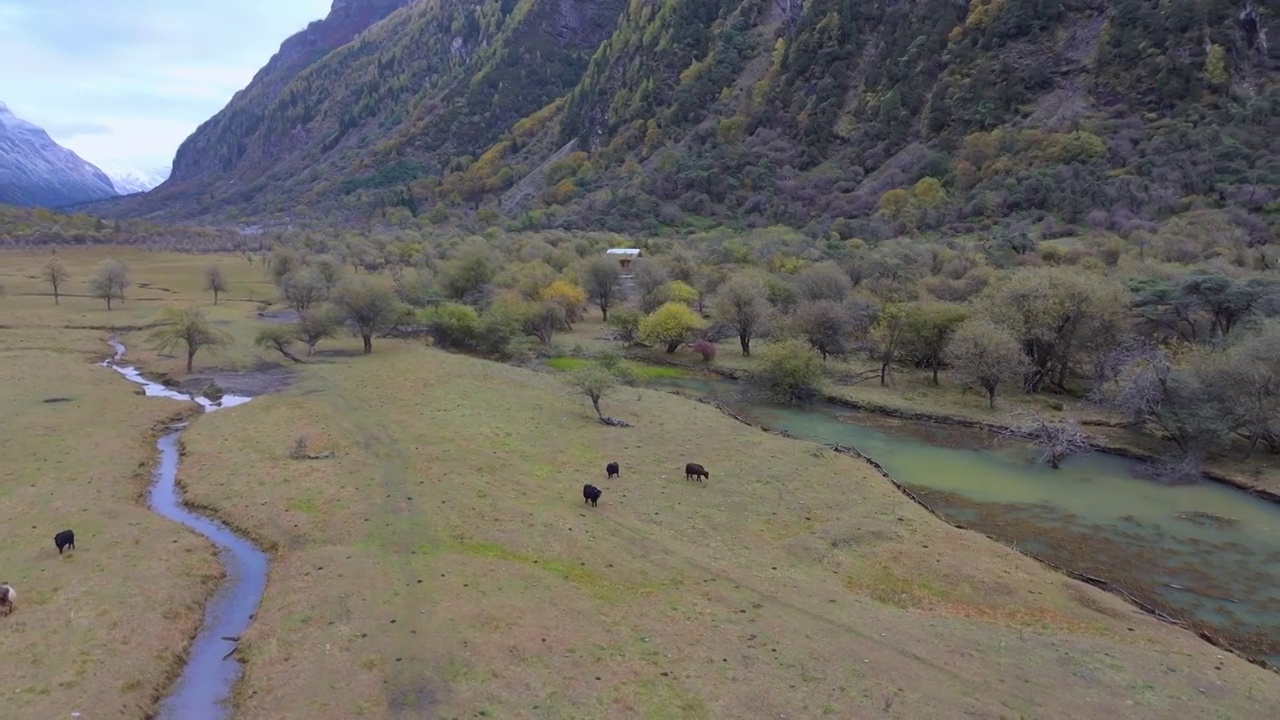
123, 83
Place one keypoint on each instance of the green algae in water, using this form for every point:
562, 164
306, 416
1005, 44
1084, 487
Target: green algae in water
1094, 515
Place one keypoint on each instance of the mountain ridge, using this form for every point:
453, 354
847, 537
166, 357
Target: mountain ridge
817, 115
128, 181
36, 171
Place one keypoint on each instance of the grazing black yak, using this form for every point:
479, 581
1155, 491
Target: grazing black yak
694, 471
612, 470
591, 494
65, 539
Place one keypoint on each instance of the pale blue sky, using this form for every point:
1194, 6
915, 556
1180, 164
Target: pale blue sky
124, 82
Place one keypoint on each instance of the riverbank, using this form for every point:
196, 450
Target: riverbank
209, 673
1201, 630
1261, 487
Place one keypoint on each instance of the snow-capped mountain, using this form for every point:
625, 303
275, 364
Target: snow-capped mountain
128, 181
35, 170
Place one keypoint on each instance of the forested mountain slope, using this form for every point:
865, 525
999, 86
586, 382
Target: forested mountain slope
409, 94
854, 118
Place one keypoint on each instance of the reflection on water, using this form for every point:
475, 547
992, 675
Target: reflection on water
1206, 553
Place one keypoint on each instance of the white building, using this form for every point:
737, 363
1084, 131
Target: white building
624, 256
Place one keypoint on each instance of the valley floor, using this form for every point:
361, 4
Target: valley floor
442, 563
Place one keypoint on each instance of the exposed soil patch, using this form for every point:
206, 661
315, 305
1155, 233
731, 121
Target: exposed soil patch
285, 315
340, 353
263, 380
149, 286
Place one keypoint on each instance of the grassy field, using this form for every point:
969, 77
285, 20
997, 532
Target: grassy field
442, 563
99, 630
913, 391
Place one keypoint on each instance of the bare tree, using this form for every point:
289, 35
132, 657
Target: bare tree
303, 288
1058, 440
369, 305
824, 281
186, 327
649, 277
55, 273
542, 320
743, 306
986, 355
825, 326
278, 338
602, 280
110, 281
594, 382
214, 282
317, 324
1182, 400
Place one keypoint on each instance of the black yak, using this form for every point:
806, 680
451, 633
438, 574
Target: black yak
65, 539
591, 494
611, 470
694, 471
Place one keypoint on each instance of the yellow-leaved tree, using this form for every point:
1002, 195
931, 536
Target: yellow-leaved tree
568, 297
670, 325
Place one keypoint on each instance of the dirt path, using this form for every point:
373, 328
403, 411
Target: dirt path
411, 689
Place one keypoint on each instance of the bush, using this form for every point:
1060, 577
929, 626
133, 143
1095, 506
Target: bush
452, 326
670, 325
705, 349
627, 323
499, 328
790, 372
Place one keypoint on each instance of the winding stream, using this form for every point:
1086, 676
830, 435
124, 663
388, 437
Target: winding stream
204, 687
1205, 553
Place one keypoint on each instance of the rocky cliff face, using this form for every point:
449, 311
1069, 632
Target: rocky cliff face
35, 170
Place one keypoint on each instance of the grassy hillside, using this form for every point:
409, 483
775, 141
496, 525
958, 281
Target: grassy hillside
442, 563
852, 119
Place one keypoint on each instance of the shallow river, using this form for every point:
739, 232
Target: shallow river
1220, 546
206, 682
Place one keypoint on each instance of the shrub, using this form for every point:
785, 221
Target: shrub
670, 325
790, 372
627, 323
705, 349
499, 328
452, 325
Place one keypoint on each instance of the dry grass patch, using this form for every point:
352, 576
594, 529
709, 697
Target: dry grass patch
99, 629
462, 574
